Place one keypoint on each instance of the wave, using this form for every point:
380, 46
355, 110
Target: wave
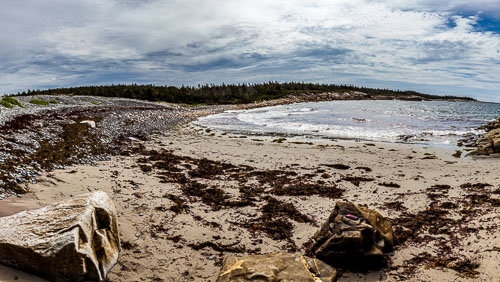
434, 122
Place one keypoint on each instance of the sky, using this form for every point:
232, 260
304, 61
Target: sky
435, 47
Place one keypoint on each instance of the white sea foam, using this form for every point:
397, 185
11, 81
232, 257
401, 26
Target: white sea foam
431, 122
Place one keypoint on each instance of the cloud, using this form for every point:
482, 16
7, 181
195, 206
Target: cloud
432, 46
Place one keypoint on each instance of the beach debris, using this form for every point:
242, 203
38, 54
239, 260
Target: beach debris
72, 240
91, 123
354, 237
276, 267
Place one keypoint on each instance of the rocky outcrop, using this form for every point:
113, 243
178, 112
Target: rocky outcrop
354, 236
489, 143
276, 267
73, 240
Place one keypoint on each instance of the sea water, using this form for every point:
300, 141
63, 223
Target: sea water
427, 122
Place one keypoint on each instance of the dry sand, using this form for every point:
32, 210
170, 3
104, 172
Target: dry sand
145, 225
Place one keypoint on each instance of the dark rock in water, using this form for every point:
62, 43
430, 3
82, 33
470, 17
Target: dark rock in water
276, 267
405, 138
72, 240
354, 237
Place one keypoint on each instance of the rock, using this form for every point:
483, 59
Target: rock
72, 240
496, 145
490, 142
354, 236
276, 267
91, 123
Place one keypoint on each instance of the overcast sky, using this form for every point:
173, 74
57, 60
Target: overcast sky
438, 47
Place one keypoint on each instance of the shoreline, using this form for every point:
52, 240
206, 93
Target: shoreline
170, 235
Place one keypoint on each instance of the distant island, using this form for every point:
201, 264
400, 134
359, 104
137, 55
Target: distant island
213, 94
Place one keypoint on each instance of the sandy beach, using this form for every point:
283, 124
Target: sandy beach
171, 235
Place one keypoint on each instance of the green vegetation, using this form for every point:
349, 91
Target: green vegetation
95, 103
6, 104
39, 102
9, 102
224, 93
52, 101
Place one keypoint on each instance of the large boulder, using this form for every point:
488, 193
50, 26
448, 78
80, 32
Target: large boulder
276, 267
73, 240
354, 237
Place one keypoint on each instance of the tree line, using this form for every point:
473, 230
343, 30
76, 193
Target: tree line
223, 93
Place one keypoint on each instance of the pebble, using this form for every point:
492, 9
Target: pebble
139, 126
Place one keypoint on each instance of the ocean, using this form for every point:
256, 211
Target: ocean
426, 122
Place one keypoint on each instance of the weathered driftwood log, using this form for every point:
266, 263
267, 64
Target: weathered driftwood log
276, 267
354, 237
73, 240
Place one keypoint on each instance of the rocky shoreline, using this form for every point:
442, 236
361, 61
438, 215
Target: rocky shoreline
26, 132
487, 143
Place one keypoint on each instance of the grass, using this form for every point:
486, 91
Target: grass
52, 101
39, 102
95, 103
6, 104
9, 102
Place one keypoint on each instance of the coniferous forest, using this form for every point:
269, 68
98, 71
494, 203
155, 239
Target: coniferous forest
224, 93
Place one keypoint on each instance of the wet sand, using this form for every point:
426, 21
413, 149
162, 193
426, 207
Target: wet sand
161, 244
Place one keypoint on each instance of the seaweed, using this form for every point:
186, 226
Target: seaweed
279, 140
396, 205
475, 186
356, 180
76, 142
274, 207
337, 166
228, 248
389, 184
300, 188
179, 206
408, 227
274, 220
457, 154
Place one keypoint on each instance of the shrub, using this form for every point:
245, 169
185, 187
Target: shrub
39, 102
9, 102
6, 104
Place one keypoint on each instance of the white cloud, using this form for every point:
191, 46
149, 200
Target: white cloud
191, 41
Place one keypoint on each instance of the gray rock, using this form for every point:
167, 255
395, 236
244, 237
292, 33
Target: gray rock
72, 240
